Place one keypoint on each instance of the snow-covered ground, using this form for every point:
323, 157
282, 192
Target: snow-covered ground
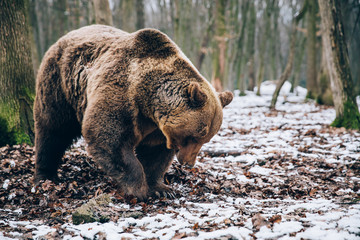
258, 149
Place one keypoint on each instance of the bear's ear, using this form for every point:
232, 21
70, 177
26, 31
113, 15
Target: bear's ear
196, 96
153, 43
226, 98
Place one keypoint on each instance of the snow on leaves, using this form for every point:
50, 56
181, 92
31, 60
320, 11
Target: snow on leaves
267, 174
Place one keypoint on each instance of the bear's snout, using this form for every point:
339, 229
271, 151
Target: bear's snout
187, 154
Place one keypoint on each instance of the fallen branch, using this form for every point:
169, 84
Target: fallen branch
221, 153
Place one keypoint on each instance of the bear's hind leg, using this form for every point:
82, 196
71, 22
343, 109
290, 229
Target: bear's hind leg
50, 145
156, 161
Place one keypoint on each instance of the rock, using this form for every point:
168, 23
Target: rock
92, 211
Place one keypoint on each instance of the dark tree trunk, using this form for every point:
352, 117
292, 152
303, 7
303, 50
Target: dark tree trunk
347, 112
16, 71
311, 83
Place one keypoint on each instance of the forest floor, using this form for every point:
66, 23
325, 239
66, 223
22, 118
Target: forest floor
280, 174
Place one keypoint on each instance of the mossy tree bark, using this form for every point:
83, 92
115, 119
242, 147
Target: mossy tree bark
334, 44
16, 71
219, 56
287, 71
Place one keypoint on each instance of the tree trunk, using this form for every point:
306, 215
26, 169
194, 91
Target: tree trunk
102, 12
298, 62
219, 56
264, 40
251, 45
311, 83
325, 94
240, 50
347, 112
16, 71
140, 14
285, 75
204, 44
274, 42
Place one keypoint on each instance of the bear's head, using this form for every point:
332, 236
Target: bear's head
184, 105
188, 129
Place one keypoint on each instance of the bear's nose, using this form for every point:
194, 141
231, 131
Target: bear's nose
189, 165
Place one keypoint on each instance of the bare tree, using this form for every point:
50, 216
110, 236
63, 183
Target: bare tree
102, 12
287, 71
263, 43
16, 71
219, 56
347, 112
311, 70
324, 93
240, 49
140, 18
250, 46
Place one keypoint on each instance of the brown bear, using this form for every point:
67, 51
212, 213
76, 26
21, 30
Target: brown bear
134, 97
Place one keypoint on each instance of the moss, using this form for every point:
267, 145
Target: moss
93, 211
325, 98
350, 118
10, 132
21, 137
310, 95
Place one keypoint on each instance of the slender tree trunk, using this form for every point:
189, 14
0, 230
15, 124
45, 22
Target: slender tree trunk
140, 14
325, 94
34, 36
287, 71
240, 50
298, 62
219, 57
102, 12
16, 71
311, 83
264, 40
347, 112
177, 12
251, 45
274, 42
60, 20
204, 44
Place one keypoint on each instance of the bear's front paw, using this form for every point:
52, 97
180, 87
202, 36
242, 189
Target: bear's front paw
139, 193
38, 178
161, 190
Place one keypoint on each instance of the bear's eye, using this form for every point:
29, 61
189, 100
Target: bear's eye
189, 140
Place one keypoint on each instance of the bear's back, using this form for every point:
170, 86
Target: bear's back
94, 33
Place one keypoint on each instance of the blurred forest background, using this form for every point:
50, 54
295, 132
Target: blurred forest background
235, 44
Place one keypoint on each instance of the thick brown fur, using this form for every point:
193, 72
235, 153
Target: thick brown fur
135, 98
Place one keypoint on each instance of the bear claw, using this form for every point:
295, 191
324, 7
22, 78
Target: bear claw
162, 191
